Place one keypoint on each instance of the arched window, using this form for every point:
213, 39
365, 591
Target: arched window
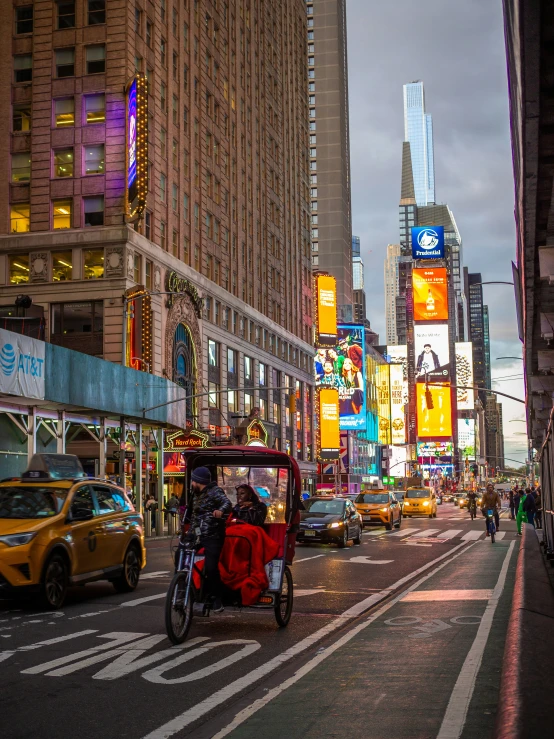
184, 367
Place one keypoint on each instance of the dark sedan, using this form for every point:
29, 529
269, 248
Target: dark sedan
329, 520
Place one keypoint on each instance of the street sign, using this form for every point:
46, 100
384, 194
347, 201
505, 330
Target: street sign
128, 455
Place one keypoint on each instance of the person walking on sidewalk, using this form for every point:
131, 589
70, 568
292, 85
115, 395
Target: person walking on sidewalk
512, 513
538, 509
491, 502
529, 507
521, 516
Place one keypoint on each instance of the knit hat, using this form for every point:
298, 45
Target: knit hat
201, 475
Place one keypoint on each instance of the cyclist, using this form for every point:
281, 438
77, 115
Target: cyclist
472, 502
491, 502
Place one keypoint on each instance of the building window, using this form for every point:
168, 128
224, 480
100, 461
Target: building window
148, 269
94, 210
64, 112
66, 14
95, 108
65, 62
248, 403
137, 268
93, 264
19, 269
96, 12
148, 224
213, 397
175, 197
21, 118
63, 163
232, 404
163, 187
94, 159
24, 19
213, 353
163, 51
23, 68
231, 360
20, 218
96, 59
61, 214
62, 265
163, 236
21, 167
149, 34
79, 326
186, 208
262, 376
247, 368
138, 20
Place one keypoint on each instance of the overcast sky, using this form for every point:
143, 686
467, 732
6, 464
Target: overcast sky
457, 49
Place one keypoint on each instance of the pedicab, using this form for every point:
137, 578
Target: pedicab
262, 587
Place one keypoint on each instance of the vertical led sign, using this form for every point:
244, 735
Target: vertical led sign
398, 424
137, 146
328, 440
325, 301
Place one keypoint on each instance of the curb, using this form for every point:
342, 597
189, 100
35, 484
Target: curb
527, 685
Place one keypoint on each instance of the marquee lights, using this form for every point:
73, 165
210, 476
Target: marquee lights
137, 146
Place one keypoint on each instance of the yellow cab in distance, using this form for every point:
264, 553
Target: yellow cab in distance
59, 528
420, 501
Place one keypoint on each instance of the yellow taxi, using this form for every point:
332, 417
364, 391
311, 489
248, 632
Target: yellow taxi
420, 501
59, 528
464, 502
379, 507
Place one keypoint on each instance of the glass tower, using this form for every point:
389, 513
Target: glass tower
418, 130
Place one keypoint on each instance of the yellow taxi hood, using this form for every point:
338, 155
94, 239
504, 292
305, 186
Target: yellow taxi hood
23, 525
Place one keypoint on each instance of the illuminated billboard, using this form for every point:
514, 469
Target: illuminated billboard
432, 352
343, 367
399, 355
428, 242
325, 301
434, 411
137, 146
464, 375
466, 437
328, 438
426, 449
398, 422
430, 291
382, 383
397, 461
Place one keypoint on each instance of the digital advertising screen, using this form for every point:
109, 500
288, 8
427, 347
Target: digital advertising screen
137, 145
466, 437
432, 352
399, 355
329, 428
326, 309
430, 291
464, 375
434, 412
397, 461
132, 141
342, 367
428, 242
382, 383
398, 421
426, 449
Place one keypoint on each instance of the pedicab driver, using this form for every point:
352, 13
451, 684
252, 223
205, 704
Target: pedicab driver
491, 502
208, 511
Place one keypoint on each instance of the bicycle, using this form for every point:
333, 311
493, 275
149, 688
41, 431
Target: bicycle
181, 593
491, 525
473, 510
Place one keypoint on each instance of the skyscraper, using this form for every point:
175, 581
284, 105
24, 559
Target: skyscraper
358, 282
418, 131
329, 145
478, 332
391, 291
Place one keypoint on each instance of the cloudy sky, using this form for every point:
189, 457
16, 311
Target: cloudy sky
457, 49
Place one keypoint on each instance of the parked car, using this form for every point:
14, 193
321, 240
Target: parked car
330, 519
381, 508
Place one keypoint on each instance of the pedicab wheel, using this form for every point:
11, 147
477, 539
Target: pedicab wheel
178, 617
283, 609
492, 537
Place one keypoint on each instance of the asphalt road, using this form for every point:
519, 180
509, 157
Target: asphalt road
104, 665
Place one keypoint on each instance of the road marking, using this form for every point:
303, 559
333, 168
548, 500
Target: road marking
151, 575
425, 533
455, 717
305, 559
46, 643
132, 660
200, 709
247, 681
376, 532
426, 630
472, 535
300, 593
368, 561
449, 534
421, 596
500, 535
140, 601
406, 532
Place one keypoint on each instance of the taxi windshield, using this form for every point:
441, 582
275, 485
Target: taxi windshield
31, 502
418, 494
372, 498
324, 506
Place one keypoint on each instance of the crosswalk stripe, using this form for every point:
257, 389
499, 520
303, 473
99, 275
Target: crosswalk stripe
500, 535
375, 532
472, 535
450, 534
425, 533
405, 532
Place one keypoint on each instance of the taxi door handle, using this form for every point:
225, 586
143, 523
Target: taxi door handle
99, 529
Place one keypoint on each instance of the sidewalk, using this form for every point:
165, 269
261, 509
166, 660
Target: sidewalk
427, 664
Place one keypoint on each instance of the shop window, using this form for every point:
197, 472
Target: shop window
24, 19
93, 264
21, 167
93, 209
96, 12
19, 269
78, 326
23, 68
64, 112
61, 213
95, 108
63, 163
94, 159
65, 62
21, 118
62, 265
96, 59
66, 14
20, 218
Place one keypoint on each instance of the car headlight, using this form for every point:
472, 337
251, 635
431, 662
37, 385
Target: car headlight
425, 502
334, 525
406, 502
385, 509
17, 540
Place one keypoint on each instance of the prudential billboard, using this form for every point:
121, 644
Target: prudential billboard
428, 242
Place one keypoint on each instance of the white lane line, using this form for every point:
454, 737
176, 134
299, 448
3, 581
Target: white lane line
425, 533
140, 601
450, 534
375, 532
247, 712
247, 681
46, 643
150, 575
456, 712
307, 591
405, 532
305, 559
425, 596
472, 535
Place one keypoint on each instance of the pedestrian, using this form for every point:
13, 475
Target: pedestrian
521, 516
151, 506
538, 509
529, 507
512, 513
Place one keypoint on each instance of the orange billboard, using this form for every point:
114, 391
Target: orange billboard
434, 411
430, 288
328, 446
326, 309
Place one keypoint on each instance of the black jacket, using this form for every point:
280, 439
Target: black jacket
201, 509
529, 504
254, 515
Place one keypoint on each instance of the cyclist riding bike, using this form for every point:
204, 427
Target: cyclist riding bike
472, 502
491, 502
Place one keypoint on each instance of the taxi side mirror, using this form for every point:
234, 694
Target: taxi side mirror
81, 514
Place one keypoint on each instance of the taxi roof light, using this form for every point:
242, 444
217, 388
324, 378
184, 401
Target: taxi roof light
53, 467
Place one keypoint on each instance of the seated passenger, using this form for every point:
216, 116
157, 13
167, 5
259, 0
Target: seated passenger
249, 508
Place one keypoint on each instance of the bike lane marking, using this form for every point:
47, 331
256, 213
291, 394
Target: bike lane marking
422, 596
46, 643
229, 691
455, 717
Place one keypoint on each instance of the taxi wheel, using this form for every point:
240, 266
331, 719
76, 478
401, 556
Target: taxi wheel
389, 526
131, 571
54, 582
343, 541
399, 520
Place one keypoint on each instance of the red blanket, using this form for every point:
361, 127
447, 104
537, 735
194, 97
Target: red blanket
246, 551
